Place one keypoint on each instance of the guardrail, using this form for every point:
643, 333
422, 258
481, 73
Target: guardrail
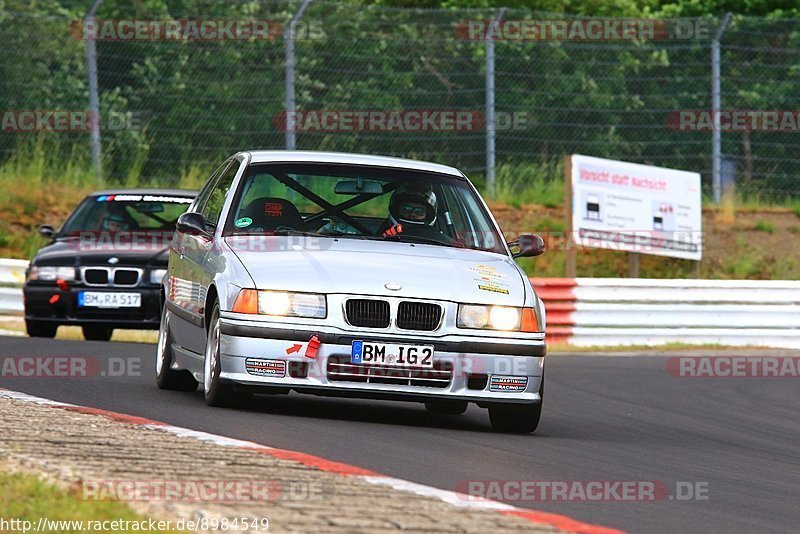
625, 311
12, 271
12, 276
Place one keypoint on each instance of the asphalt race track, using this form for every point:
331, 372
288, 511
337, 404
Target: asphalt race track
620, 418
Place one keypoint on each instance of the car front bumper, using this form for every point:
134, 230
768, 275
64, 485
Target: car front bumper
474, 366
65, 310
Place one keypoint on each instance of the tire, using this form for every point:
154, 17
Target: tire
41, 329
447, 407
517, 418
166, 376
97, 333
217, 392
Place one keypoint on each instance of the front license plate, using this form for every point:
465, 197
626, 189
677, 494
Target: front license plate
99, 299
369, 353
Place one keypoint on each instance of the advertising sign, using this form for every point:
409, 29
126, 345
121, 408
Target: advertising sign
636, 208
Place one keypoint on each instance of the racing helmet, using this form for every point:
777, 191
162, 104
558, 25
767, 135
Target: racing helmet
413, 206
115, 222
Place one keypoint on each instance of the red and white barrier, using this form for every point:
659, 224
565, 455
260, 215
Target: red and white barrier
12, 272
635, 311
12, 276
625, 311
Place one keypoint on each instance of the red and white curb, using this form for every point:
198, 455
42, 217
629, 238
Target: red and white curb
560, 522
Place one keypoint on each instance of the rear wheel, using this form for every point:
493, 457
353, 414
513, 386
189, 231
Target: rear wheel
166, 376
446, 407
517, 418
218, 392
40, 329
97, 333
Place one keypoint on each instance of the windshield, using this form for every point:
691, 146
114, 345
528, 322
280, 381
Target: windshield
362, 203
126, 213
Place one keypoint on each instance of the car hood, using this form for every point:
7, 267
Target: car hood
72, 252
365, 267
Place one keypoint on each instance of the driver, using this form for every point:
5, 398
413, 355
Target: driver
115, 222
410, 210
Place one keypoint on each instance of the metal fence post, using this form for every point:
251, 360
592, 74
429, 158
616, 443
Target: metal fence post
288, 36
490, 105
94, 97
716, 133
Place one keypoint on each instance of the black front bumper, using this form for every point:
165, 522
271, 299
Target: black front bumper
65, 310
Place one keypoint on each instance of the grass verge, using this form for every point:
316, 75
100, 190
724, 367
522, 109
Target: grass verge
74, 332
745, 237
667, 347
24, 497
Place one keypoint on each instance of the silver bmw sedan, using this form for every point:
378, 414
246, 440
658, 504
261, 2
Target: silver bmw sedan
351, 275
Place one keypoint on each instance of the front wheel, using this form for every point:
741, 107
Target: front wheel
166, 376
40, 329
446, 407
216, 391
97, 333
517, 418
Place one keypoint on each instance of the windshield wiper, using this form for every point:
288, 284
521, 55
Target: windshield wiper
292, 231
401, 238
287, 231
419, 239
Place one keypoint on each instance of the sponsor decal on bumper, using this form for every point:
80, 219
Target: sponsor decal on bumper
508, 383
259, 367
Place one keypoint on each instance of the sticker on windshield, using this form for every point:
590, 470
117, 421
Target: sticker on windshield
244, 222
144, 198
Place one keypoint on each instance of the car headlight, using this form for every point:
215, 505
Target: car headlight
281, 303
497, 318
156, 275
51, 274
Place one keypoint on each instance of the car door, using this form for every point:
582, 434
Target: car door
200, 258
186, 321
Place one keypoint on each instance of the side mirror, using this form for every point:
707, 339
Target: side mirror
527, 245
45, 230
191, 223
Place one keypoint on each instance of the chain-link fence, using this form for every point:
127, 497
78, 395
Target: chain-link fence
179, 90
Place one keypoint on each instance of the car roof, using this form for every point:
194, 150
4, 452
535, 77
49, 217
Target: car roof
157, 192
310, 156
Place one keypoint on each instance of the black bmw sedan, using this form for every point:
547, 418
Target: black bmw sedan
102, 270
